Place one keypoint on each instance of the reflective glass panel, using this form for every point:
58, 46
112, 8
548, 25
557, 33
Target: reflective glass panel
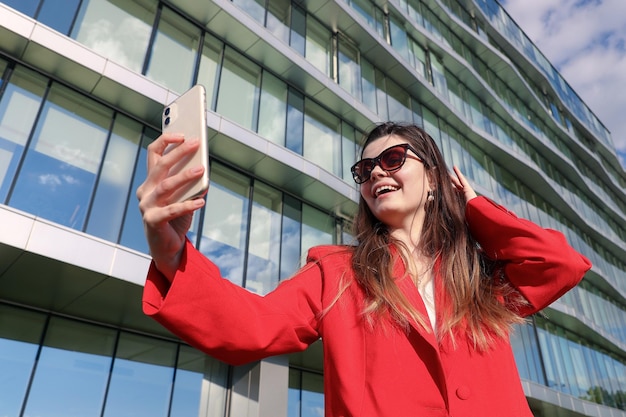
174, 52
278, 12
19, 105
142, 377
223, 237
118, 30
295, 121
322, 138
132, 233
318, 228
20, 335
349, 76
72, 370
255, 8
273, 109
28, 7
240, 83
113, 190
312, 403
199, 385
264, 245
58, 14
368, 85
399, 38
208, 74
59, 171
298, 30
291, 236
318, 48
348, 150
399, 101
295, 393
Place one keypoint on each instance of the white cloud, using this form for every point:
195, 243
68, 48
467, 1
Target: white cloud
586, 41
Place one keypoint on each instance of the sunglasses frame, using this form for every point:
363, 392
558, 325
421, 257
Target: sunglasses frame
377, 161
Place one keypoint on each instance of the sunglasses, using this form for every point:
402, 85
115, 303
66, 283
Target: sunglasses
390, 160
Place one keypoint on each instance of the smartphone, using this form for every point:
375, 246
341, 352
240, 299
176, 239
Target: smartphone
187, 115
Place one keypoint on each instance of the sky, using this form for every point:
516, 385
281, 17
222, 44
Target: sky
586, 41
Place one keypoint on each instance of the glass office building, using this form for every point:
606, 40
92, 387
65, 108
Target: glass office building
292, 85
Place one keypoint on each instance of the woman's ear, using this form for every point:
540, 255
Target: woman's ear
431, 175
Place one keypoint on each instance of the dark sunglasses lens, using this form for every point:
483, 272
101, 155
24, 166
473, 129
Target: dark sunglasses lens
362, 170
392, 158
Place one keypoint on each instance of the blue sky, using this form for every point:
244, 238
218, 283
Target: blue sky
586, 41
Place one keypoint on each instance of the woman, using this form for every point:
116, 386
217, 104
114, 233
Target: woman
414, 319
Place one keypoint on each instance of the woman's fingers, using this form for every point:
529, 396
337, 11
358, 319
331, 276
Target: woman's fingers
165, 152
462, 184
155, 216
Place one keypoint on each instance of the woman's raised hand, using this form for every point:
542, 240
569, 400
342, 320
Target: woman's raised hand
462, 185
166, 221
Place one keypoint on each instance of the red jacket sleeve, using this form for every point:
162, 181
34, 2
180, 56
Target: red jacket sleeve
538, 262
229, 322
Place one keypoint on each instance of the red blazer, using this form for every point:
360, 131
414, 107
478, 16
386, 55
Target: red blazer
370, 373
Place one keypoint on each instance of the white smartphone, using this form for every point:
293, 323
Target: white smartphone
187, 115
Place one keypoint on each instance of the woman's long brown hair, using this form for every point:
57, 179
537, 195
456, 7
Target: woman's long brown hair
475, 296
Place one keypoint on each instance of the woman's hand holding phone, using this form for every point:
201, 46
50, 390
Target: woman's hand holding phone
177, 179
167, 220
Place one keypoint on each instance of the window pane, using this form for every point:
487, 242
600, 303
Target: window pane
20, 333
60, 167
294, 393
366, 9
253, 7
368, 85
208, 74
239, 88
399, 38
291, 236
273, 109
118, 30
349, 68
173, 58
264, 245
28, 7
312, 395
439, 75
318, 228
399, 102
298, 30
18, 109
295, 121
72, 370
381, 94
133, 234
112, 193
141, 379
278, 18
322, 138
318, 47
199, 379
58, 14
417, 57
348, 150
226, 221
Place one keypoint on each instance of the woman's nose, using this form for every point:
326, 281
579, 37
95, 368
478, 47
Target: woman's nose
378, 172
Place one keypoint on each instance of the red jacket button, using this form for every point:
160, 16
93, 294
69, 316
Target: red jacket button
463, 392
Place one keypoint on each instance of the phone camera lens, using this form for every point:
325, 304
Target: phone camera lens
167, 111
167, 121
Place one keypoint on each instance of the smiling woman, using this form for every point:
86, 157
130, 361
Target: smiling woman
428, 293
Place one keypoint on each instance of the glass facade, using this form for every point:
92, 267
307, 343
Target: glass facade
76, 159
56, 366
